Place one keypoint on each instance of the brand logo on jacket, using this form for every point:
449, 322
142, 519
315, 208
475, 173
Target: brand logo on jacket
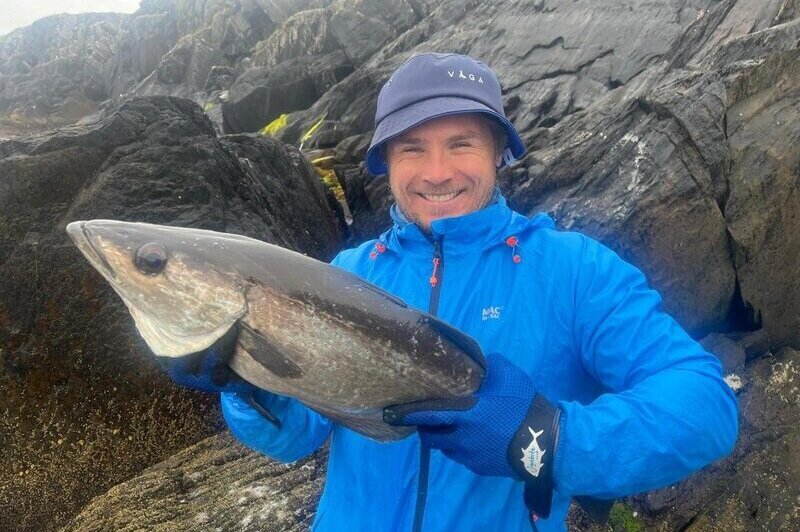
532, 455
491, 313
461, 75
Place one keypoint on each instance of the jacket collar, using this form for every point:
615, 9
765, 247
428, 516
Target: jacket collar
460, 234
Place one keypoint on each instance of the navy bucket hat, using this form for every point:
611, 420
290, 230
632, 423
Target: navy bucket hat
431, 85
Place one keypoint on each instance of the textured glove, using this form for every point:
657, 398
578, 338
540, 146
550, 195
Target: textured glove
504, 429
208, 370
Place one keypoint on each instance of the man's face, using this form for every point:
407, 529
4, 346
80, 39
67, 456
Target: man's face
444, 167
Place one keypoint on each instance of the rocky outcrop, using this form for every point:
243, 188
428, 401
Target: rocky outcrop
762, 207
262, 94
55, 72
216, 484
90, 406
67, 67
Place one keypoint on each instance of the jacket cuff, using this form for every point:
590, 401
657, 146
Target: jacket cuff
531, 454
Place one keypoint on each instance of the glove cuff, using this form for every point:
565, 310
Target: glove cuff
531, 454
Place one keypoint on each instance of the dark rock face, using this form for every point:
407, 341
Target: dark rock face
215, 484
262, 94
54, 72
63, 68
764, 183
90, 406
633, 180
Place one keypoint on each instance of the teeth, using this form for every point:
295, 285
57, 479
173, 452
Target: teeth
440, 197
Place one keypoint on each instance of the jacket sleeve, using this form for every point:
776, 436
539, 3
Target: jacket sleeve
302, 430
667, 411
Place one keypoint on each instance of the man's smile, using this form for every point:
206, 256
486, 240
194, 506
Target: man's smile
440, 197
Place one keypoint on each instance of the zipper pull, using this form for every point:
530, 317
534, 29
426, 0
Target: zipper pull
437, 258
433, 278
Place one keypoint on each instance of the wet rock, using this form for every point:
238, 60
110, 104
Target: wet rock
730, 353
369, 200
91, 406
761, 211
756, 487
305, 33
262, 94
55, 71
215, 484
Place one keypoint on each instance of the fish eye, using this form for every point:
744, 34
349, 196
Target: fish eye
150, 258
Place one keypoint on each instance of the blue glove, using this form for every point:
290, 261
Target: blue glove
503, 429
208, 370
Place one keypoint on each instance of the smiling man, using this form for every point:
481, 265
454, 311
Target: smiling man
590, 388
445, 167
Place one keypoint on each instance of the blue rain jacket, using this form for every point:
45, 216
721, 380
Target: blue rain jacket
643, 404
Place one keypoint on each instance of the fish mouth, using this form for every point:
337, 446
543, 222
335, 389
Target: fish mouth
79, 234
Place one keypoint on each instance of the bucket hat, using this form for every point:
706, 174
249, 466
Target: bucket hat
431, 85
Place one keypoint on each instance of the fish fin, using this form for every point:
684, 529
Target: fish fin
467, 343
265, 354
371, 426
383, 293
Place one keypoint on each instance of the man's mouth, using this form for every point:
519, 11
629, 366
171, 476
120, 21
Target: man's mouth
440, 197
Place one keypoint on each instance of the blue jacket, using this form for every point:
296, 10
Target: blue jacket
643, 405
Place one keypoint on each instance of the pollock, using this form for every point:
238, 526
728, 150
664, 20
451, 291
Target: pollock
306, 329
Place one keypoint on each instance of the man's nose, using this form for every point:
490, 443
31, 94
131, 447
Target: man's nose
438, 168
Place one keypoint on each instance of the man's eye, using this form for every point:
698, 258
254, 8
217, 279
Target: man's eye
412, 150
461, 145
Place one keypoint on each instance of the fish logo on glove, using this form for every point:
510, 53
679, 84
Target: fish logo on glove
533, 454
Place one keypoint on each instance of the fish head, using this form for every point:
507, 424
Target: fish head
180, 286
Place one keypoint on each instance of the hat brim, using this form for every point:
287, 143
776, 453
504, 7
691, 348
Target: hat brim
418, 113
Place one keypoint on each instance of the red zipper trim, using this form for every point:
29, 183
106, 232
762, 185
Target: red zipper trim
434, 280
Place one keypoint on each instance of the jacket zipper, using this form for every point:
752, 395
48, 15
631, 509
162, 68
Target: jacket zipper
424, 452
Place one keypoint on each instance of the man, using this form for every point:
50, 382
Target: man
591, 390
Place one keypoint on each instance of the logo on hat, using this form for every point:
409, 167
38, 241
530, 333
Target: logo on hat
461, 75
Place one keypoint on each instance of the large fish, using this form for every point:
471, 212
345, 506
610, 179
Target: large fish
306, 329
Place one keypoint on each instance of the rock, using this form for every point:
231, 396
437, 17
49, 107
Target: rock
216, 484
730, 353
634, 179
761, 211
755, 344
362, 27
352, 150
756, 487
91, 406
64, 68
262, 94
369, 200
305, 33
219, 78
54, 72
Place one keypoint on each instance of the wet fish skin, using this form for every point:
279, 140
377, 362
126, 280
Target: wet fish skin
306, 329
